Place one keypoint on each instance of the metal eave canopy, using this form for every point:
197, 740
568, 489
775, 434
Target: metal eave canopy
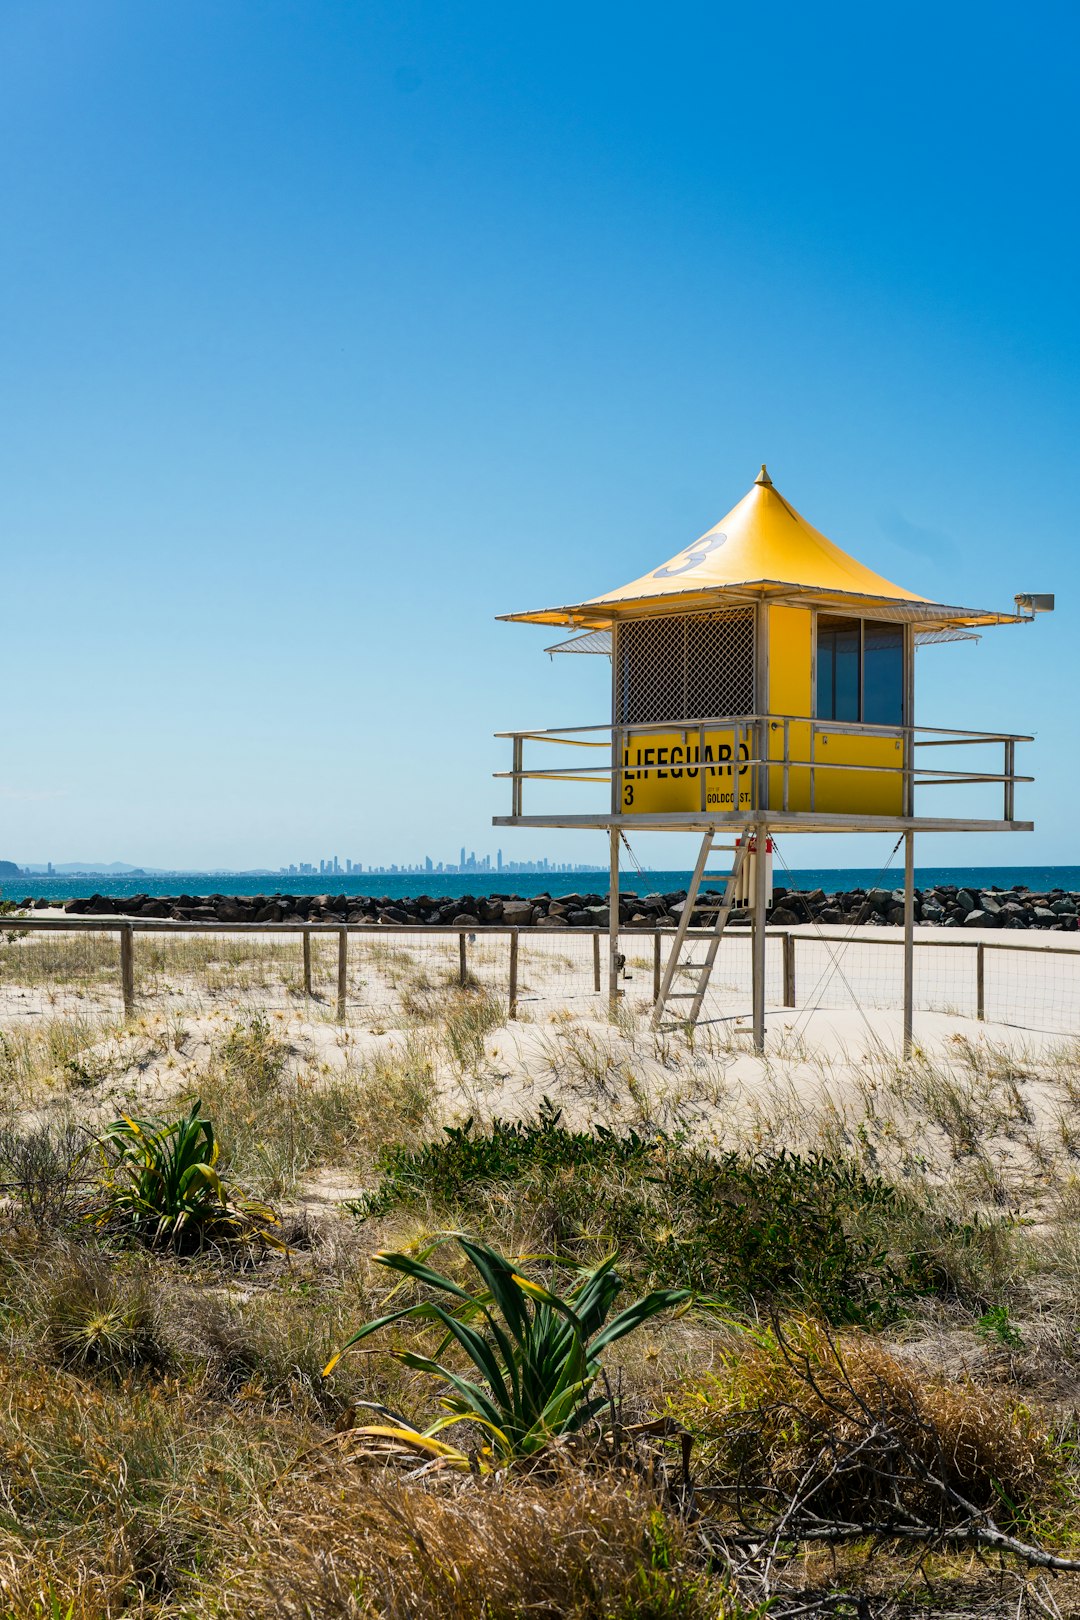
598, 642
930, 615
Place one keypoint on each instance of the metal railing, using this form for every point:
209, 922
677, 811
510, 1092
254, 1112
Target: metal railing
808, 969
754, 753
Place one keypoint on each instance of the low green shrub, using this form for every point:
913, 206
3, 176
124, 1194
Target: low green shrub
749, 1229
465, 1159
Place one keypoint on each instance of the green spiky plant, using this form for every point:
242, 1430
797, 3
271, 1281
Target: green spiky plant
538, 1355
161, 1184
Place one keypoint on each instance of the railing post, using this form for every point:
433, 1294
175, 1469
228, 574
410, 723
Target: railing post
980, 982
613, 921
463, 961
516, 784
307, 962
787, 775
909, 942
513, 973
127, 968
656, 967
342, 967
596, 961
789, 970
761, 771
1010, 779
757, 940
701, 765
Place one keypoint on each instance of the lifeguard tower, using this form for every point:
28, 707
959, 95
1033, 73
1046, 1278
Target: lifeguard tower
763, 681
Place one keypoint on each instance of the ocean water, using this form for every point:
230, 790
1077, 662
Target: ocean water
401, 885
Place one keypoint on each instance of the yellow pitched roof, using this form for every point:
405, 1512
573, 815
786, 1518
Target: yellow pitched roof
762, 548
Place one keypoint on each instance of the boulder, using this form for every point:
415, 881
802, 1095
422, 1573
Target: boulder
517, 913
783, 918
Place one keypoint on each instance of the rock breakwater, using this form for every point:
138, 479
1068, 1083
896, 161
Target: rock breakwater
946, 906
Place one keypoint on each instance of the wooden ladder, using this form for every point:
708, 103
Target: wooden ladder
703, 969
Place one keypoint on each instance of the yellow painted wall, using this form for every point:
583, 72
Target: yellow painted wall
791, 686
859, 792
662, 773
674, 782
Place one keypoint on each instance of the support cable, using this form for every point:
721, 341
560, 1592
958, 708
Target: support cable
834, 949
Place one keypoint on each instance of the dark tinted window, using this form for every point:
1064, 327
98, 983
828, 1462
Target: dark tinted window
883, 674
838, 668
860, 671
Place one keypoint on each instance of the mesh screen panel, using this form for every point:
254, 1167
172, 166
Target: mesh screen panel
693, 666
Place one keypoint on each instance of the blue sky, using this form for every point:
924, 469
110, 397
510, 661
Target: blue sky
330, 331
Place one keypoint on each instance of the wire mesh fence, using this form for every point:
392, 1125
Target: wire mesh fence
388, 976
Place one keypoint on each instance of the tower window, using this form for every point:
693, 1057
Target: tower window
860, 670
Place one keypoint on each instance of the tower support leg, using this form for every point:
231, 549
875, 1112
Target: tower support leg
613, 922
757, 943
909, 940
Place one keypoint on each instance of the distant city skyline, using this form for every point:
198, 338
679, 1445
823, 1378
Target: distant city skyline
327, 866
471, 862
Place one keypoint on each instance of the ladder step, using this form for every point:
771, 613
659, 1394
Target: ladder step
705, 917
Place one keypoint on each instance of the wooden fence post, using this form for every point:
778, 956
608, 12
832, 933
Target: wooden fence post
463, 961
513, 973
789, 970
342, 965
307, 961
656, 967
980, 982
596, 962
127, 967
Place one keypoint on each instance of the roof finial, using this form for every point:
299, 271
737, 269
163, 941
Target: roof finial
763, 477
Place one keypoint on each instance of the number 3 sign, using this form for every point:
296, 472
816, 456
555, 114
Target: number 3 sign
693, 555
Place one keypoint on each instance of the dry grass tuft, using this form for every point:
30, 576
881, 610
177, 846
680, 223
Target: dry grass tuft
787, 1404
579, 1548
108, 1491
100, 1318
